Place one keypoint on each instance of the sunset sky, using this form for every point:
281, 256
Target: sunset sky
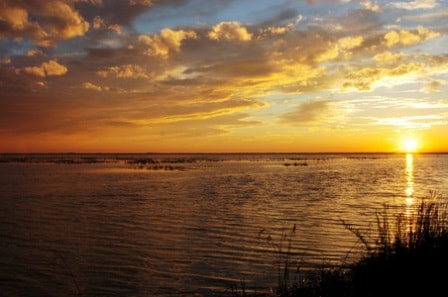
223, 75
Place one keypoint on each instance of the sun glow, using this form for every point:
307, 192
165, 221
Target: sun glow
409, 145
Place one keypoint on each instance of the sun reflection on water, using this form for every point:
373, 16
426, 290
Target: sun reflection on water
409, 178
409, 191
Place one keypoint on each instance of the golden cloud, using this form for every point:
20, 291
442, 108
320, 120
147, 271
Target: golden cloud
276, 30
99, 24
348, 43
124, 71
90, 86
17, 17
229, 31
141, 2
341, 48
50, 68
168, 41
407, 37
404, 69
282, 29
369, 6
388, 57
34, 52
45, 23
68, 22
363, 79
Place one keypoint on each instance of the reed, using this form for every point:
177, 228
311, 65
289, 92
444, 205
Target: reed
239, 292
406, 258
283, 250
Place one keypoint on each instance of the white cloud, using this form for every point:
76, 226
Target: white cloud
412, 5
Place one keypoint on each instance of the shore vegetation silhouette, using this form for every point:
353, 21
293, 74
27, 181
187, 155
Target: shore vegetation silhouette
406, 257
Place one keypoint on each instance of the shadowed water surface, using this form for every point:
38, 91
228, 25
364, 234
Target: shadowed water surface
185, 225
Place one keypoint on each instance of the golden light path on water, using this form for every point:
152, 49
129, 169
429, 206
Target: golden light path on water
409, 178
409, 186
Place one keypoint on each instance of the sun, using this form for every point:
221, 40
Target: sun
409, 145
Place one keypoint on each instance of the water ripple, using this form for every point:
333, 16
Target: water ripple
106, 228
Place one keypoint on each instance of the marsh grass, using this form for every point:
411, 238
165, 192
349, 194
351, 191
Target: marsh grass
407, 257
288, 273
239, 291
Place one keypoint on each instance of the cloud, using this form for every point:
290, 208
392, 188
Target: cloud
124, 71
181, 111
213, 126
5, 61
147, 117
364, 78
34, 52
342, 48
388, 57
282, 29
141, 2
15, 17
99, 24
407, 38
412, 122
369, 6
413, 5
433, 86
167, 42
90, 86
247, 68
68, 23
44, 22
373, 112
93, 2
232, 31
50, 68
307, 112
405, 69
122, 13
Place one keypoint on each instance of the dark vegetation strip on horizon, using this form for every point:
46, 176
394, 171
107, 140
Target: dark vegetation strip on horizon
186, 157
228, 153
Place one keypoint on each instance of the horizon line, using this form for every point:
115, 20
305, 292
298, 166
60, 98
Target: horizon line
217, 153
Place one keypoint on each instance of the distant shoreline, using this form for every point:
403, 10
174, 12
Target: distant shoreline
223, 153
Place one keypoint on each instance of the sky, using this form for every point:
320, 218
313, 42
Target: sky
223, 76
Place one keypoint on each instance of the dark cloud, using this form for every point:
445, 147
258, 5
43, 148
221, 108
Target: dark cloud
44, 22
112, 12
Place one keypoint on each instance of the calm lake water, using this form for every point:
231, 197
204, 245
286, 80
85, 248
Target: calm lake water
192, 225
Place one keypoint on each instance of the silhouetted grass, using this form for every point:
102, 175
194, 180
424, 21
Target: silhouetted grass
408, 257
285, 282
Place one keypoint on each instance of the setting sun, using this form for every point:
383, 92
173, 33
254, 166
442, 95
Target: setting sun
410, 145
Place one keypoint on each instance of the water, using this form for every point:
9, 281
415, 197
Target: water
191, 225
